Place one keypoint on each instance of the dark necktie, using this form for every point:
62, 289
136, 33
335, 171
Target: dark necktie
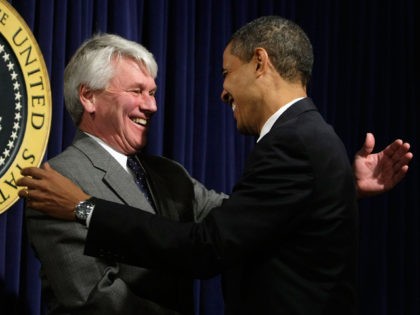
140, 177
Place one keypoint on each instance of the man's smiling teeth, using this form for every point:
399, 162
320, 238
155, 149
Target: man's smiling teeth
140, 121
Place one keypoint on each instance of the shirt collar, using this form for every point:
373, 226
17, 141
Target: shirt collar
270, 121
121, 158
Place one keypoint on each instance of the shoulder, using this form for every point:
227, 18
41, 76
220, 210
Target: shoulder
305, 138
72, 163
71, 155
303, 131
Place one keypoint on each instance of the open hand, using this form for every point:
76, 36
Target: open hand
376, 173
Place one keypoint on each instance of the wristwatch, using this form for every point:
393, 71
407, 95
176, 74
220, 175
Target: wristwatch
83, 209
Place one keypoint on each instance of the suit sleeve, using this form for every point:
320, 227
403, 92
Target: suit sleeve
264, 205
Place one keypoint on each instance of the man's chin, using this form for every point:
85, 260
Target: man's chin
245, 131
141, 146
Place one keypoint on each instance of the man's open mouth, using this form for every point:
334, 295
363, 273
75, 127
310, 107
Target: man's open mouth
139, 121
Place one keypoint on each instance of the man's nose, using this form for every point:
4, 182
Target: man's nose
149, 103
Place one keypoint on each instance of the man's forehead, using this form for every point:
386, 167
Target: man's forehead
227, 50
131, 62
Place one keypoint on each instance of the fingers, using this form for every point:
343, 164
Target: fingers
396, 147
36, 173
33, 172
30, 182
33, 183
33, 193
23, 193
401, 164
399, 156
29, 195
398, 152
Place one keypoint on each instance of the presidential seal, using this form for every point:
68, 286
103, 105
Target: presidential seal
25, 103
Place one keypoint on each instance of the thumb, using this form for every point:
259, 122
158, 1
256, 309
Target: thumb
368, 146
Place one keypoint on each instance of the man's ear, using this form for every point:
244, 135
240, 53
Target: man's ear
87, 98
261, 60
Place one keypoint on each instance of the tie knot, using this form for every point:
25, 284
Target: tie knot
134, 165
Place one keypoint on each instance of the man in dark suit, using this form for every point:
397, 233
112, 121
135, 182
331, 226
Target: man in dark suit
286, 239
112, 109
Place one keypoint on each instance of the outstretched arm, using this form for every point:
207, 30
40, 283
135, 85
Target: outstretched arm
376, 173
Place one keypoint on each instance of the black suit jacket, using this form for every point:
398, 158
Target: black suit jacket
286, 239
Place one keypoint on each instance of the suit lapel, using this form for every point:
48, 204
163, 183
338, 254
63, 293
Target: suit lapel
114, 176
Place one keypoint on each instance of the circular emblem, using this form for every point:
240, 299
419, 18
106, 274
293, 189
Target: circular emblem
25, 103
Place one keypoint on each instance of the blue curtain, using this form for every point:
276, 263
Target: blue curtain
365, 78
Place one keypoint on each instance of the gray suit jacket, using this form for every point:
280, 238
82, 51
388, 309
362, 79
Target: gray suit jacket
77, 284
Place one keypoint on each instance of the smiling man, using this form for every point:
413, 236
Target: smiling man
109, 89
